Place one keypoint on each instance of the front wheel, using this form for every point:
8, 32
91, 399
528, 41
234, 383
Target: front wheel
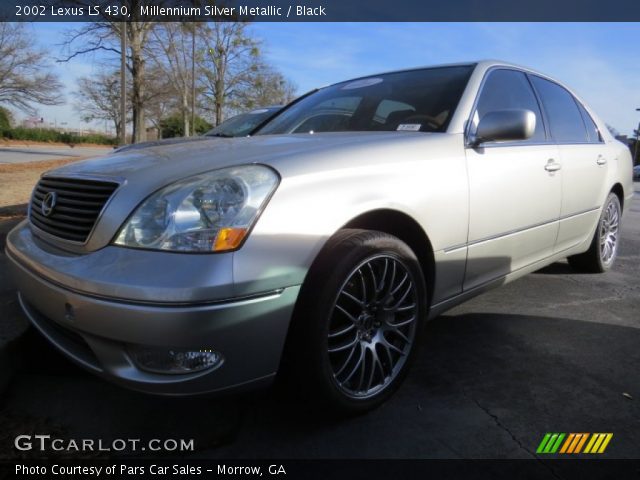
604, 246
357, 322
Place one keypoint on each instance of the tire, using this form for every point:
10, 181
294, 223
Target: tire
604, 247
357, 321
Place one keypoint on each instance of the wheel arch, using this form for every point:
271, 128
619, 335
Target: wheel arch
404, 227
619, 191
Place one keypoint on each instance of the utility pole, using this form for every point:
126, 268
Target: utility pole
123, 83
193, 78
635, 147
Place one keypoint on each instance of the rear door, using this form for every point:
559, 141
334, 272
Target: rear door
584, 160
514, 187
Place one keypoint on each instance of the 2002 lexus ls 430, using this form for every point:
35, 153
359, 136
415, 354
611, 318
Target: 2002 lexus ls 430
327, 238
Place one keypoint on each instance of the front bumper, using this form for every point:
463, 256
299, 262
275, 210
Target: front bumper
95, 331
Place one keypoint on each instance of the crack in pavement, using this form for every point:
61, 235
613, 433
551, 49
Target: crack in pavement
587, 301
500, 425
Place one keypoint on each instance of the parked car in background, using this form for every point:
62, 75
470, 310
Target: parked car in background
237, 126
323, 242
636, 172
245, 123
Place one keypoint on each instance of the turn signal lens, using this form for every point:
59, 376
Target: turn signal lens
229, 238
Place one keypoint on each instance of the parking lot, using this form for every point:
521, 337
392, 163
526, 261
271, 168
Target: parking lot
555, 351
37, 153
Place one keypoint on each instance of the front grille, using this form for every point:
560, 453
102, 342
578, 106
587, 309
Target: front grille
78, 204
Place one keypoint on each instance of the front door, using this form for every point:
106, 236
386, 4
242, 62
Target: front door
514, 188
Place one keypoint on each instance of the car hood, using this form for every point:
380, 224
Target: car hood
141, 172
165, 163
157, 143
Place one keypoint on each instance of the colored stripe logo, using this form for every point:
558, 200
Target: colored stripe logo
574, 443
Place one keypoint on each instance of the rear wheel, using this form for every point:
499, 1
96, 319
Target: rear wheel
604, 246
357, 321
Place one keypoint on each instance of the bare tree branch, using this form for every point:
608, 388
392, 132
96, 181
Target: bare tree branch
104, 36
234, 75
24, 79
170, 51
98, 98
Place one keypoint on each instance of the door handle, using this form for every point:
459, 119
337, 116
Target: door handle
552, 166
601, 160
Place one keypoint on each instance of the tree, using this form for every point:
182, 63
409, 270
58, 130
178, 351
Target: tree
269, 88
98, 98
234, 75
25, 78
171, 50
634, 145
160, 99
105, 36
229, 65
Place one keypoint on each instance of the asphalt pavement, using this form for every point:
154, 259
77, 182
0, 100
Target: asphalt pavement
555, 351
37, 153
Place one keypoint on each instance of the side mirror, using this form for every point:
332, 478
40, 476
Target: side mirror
505, 125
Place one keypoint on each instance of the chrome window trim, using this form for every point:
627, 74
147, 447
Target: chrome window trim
583, 110
518, 144
469, 121
578, 103
549, 138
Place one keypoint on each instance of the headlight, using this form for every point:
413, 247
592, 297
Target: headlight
211, 212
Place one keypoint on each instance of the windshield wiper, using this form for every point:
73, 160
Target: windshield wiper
222, 135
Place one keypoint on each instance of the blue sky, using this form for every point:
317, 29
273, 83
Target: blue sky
597, 60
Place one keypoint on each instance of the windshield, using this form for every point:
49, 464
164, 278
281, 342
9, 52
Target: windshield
416, 100
243, 124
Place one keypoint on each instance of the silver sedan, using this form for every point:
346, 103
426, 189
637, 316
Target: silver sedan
321, 245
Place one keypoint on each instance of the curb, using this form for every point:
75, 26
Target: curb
11, 211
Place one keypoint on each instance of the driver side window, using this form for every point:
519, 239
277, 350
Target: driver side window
505, 90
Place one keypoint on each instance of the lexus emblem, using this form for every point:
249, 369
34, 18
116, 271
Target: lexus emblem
48, 203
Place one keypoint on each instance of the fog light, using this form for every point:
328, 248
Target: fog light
173, 360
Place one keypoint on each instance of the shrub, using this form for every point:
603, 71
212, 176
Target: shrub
173, 126
50, 135
5, 121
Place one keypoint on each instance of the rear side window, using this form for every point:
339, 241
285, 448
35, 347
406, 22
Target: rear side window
592, 128
509, 89
565, 120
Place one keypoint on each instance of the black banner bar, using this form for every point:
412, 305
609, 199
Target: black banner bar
320, 10
584, 469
